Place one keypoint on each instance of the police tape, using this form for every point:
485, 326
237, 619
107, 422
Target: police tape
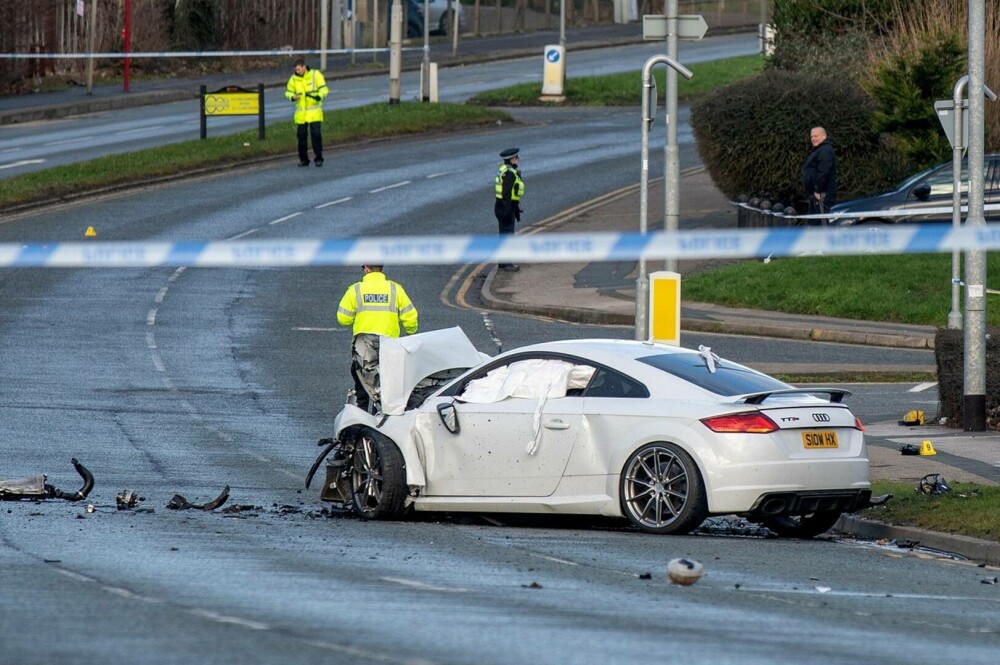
868, 214
527, 248
197, 54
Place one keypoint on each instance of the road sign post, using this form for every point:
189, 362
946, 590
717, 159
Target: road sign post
232, 100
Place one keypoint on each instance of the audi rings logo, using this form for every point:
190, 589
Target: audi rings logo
821, 417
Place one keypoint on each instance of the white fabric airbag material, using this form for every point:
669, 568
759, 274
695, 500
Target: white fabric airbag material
538, 378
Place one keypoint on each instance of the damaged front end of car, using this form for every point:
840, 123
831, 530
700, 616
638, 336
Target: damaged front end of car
367, 450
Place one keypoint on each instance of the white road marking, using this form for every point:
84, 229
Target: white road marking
382, 189
414, 584
243, 235
64, 142
302, 329
283, 219
438, 175
367, 655
333, 203
125, 593
75, 576
151, 317
138, 129
923, 386
222, 618
552, 558
868, 594
23, 162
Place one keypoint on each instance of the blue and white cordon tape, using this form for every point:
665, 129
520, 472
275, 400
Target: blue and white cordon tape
528, 248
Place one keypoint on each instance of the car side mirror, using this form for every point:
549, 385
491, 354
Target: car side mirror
449, 416
922, 192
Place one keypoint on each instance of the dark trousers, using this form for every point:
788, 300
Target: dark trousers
314, 131
506, 214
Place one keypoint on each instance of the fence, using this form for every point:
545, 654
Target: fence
57, 26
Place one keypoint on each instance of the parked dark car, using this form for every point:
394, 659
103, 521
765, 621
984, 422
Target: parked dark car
931, 188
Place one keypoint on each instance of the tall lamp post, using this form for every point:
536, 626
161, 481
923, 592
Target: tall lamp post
648, 112
974, 398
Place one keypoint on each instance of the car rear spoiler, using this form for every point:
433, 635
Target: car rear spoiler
836, 394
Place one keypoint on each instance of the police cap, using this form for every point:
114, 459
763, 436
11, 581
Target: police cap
509, 153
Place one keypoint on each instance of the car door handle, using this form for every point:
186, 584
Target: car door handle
556, 424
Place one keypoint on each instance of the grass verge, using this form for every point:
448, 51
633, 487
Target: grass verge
340, 126
908, 288
969, 509
626, 89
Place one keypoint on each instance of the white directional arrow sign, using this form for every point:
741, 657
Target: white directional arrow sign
691, 26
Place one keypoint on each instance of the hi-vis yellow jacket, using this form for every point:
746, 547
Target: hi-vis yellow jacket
378, 306
311, 89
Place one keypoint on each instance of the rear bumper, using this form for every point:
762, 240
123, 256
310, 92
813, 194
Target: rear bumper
775, 504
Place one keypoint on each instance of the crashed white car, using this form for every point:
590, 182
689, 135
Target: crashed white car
660, 435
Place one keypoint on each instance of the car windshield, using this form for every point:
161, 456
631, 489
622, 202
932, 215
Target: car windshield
721, 377
906, 184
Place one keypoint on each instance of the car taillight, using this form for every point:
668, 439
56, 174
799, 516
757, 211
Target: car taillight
858, 425
751, 423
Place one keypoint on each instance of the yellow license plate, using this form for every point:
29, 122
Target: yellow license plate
819, 440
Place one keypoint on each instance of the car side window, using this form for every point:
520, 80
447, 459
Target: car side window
941, 181
606, 383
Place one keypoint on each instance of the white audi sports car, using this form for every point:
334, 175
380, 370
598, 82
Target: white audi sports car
659, 435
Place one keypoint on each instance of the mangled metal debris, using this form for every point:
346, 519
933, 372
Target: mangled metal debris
181, 503
35, 487
127, 499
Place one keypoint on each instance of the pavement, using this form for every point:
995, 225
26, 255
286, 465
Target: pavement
604, 293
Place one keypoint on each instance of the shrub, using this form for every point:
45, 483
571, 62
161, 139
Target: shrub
753, 135
830, 16
918, 62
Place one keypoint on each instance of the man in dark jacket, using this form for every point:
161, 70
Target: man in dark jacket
819, 173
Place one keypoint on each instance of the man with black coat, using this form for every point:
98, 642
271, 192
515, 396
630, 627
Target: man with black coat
819, 173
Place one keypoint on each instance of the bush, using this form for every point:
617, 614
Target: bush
830, 16
827, 52
753, 135
905, 88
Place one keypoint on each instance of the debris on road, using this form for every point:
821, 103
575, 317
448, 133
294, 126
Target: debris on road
181, 503
533, 585
35, 487
127, 499
933, 483
684, 571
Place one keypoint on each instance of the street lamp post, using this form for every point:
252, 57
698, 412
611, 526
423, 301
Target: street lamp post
648, 112
974, 398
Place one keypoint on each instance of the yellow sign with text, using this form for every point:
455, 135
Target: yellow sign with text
232, 103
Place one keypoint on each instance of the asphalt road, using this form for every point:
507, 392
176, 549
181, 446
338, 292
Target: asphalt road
29, 147
182, 381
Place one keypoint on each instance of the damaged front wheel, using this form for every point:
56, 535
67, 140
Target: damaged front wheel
378, 478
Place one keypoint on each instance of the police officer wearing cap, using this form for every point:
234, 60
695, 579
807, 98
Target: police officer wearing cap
376, 307
509, 190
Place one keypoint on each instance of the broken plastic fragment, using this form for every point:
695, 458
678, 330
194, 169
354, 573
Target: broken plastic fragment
180, 503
